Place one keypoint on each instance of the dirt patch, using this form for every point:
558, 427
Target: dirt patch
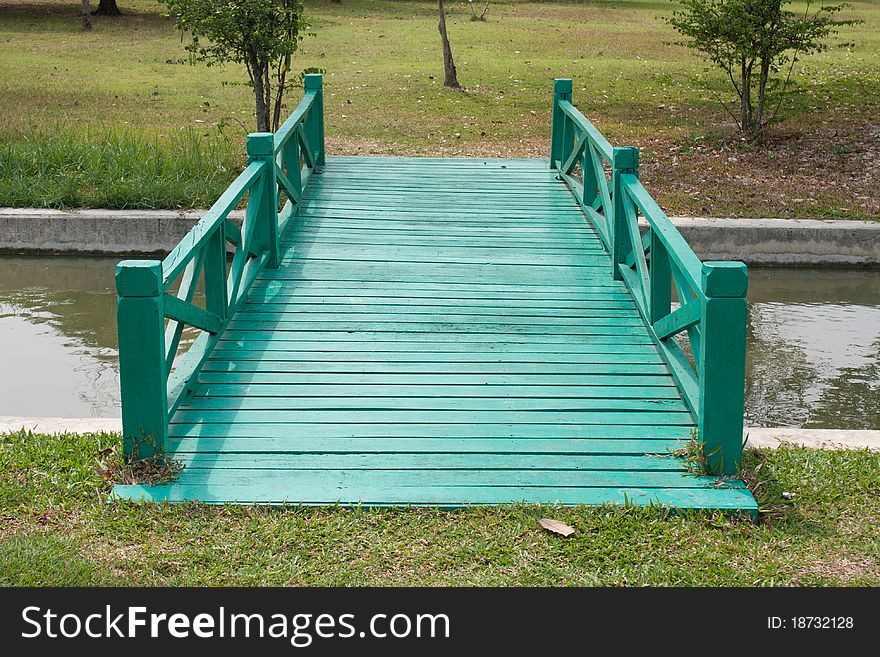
841, 568
829, 173
525, 147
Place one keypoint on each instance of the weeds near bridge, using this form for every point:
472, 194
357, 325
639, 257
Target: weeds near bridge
693, 456
150, 471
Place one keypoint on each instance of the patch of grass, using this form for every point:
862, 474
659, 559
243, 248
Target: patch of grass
384, 95
824, 535
37, 560
116, 169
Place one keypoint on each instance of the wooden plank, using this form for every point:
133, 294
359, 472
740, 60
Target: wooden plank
422, 403
451, 417
417, 367
415, 379
280, 321
453, 497
294, 480
348, 334
402, 388
340, 304
541, 349
432, 461
553, 437
237, 355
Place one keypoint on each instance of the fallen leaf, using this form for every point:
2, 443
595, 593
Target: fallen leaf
556, 527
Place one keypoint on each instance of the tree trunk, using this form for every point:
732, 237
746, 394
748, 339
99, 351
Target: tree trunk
256, 69
745, 121
107, 8
86, 16
758, 123
451, 78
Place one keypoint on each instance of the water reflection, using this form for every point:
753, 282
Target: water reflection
58, 337
814, 349
813, 356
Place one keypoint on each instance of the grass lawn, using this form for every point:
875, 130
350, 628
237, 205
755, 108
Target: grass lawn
57, 528
384, 96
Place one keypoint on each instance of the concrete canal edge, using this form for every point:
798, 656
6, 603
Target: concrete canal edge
767, 242
756, 437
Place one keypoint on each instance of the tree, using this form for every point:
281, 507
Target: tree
482, 15
107, 8
86, 16
750, 40
450, 75
261, 34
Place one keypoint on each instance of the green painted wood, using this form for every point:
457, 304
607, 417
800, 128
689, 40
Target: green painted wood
440, 496
431, 461
327, 344
140, 320
403, 388
488, 337
453, 417
261, 148
421, 367
552, 437
722, 364
329, 479
437, 332
224, 357
420, 403
414, 379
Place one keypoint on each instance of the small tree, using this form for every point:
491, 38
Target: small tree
750, 40
481, 16
86, 16
261, 34
450, 76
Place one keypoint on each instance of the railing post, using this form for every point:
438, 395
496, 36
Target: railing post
625, 160
261, 148
315, 81
561, 91
140, 320
660, 274
215, 274
722, 364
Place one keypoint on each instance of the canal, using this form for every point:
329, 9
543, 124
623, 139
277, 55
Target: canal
813, 343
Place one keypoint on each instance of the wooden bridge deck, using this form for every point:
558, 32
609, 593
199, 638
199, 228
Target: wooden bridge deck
439, 332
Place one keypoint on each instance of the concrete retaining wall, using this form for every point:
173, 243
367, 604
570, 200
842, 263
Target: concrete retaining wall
154, 232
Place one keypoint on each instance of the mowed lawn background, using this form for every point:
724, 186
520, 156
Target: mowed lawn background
176, 130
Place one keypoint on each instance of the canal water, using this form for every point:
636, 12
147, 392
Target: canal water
813, 343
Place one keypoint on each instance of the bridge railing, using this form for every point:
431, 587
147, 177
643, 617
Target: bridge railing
156, 299
710, 320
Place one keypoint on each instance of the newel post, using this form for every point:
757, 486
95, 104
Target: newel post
624, 160
561, 91
261, 148
315, 82
142, 377
722, 364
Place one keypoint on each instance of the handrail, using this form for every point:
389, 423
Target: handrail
711, 317
151, 314
596, 137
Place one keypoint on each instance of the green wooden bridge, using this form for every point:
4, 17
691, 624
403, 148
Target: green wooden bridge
435, 331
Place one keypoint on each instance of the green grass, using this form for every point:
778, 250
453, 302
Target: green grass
116, 170
384, 95
58, 527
